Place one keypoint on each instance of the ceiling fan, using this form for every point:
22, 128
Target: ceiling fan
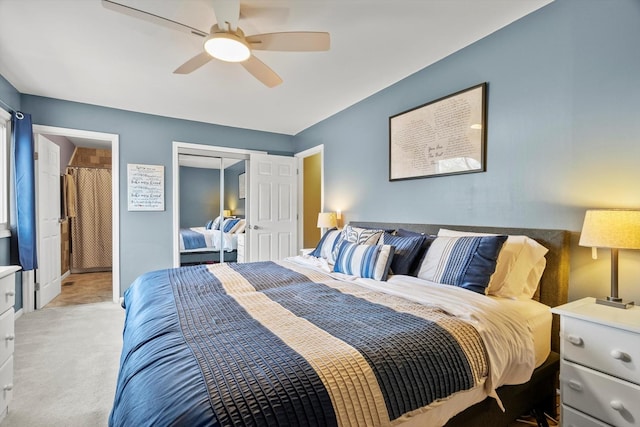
227, 42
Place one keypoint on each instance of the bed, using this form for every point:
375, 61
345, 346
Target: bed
288, 343
203, 244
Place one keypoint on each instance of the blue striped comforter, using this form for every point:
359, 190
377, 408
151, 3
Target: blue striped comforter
270, 344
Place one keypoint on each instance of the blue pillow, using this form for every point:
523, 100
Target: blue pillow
428, 238
367, 261
326, 245
467, 262
208, 225
229, 223
407, 250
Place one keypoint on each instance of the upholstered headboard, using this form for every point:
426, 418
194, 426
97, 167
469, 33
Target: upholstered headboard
555, 280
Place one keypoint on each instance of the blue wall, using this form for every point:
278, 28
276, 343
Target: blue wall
146, 237
563, 134
199, 196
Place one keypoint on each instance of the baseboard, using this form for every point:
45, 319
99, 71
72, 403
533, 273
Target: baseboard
18, 314
65, 275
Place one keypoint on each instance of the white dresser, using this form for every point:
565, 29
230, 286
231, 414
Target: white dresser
600, 364
241, 248
7, 299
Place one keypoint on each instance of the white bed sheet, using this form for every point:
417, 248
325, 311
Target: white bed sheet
212, 240
514, 351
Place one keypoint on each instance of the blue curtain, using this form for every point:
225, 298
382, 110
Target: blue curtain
25, 189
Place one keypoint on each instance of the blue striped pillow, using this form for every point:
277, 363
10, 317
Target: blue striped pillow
326, 245
228, 224
209, 224
466, 262
407, 250
367, 261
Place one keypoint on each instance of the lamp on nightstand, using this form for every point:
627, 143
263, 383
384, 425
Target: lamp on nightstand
226, 213
327, 220
614, 229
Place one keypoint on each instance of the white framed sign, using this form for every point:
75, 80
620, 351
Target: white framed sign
145, 187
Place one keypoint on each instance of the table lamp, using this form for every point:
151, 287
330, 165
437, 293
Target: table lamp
327, 220
614, 229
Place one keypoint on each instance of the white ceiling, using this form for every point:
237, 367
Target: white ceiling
79, 51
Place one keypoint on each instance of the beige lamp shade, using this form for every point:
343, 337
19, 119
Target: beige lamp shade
327, 220
611, 228
226, 212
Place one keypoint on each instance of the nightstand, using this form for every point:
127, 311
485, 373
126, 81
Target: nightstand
600, 364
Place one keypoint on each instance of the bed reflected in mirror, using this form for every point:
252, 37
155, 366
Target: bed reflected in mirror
212, 214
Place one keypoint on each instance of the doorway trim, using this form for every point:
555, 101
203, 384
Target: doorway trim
114, 140
318, 149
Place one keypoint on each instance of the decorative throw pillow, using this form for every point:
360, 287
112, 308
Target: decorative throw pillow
228, 224
467, 262
406, 251
360, 236
240, 226
208, 225
519, 266
428, 239
367, 261
216, 223
326, 245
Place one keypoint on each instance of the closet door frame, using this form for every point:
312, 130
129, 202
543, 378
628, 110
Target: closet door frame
193, 149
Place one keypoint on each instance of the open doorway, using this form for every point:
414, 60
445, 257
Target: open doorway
96, 153
310, 195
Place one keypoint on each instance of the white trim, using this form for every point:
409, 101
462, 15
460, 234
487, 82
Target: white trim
18, 314
300, 164
5, 155
114, 140
201, 149
28, 291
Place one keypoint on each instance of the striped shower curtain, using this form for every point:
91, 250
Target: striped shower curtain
91, 239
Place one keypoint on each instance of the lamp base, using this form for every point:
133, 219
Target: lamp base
615, 302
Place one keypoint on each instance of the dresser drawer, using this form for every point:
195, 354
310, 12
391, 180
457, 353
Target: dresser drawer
606, 398
6, 383
6, 334
573, 418
610, 350
7, 292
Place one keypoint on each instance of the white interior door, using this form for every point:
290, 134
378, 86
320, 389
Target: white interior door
272, 215
48, 226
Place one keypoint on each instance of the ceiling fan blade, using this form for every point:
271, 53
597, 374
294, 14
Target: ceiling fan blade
193, 64
227, 11
261, 71
150, 17
302, 41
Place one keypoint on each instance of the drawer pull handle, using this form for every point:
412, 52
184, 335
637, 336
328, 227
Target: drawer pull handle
575, 385
620, 355
10, 337
574, 339
8, 387
617, 405
10, 293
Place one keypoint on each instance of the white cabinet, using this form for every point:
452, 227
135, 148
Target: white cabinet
7, 300
241, 248
600, 364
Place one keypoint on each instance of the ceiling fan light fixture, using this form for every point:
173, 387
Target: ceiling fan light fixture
227, 47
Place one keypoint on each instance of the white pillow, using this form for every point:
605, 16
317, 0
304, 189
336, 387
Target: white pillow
519, 267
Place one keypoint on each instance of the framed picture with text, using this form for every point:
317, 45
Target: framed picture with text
442, 137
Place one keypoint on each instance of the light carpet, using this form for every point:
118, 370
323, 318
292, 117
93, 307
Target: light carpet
66, 365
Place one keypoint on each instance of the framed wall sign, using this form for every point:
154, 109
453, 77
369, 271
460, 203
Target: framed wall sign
145, 187
443, 137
